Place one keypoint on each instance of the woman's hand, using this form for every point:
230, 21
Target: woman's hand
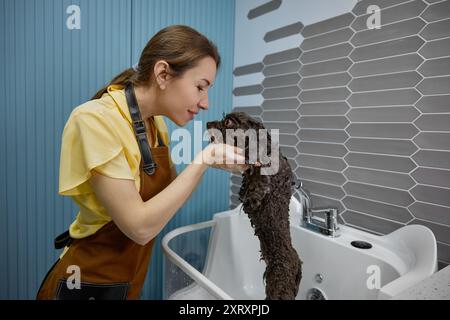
223, 156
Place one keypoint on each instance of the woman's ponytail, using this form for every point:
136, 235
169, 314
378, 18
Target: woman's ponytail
124, 78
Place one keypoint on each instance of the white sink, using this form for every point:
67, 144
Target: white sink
331, 266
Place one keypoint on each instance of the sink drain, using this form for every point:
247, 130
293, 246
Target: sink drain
361, 244
315, 294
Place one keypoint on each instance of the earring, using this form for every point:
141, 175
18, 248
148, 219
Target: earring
163, 87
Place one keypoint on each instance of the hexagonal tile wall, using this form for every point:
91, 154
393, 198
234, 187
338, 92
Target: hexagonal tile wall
364, 115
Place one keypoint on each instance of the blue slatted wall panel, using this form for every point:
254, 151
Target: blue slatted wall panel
48, 71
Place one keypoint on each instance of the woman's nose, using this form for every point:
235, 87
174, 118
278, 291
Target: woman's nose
203, 103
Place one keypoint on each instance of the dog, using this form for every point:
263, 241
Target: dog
265, 199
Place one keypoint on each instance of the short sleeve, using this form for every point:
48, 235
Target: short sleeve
89, 142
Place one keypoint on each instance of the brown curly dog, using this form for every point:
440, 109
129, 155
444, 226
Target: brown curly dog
265, 200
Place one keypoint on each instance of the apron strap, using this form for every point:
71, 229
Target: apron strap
63, 240
149, 165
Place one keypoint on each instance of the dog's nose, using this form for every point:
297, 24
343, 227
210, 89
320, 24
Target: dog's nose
211, 124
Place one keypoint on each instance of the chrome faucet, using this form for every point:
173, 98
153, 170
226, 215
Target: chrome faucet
328, 225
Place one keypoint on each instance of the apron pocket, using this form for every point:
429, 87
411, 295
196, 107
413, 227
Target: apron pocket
92, 291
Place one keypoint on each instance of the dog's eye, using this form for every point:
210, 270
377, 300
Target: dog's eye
228, 123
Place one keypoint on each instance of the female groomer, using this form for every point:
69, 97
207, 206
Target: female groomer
117, 144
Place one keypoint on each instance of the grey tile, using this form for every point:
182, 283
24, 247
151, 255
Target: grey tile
361, 6
288, 140
235, 199
386, 195
433, 1
321, 189
380, 178
436, 30
438, 85
323, 122
437, 11
335, 94
324, 202
327, 39
331, 24
433, 159
428, 140
382, 210
380, 226
434, 104
389, 32
373, 161
433, 177
432, 195
284, 32
280, 115
248, 90
431, 212
382, 130
328, 53
331, 66
402, 12
384, 82
383, 114
442, 233
281, 104
283, 92
319, 162
282, 68
434, 122
395, 147
324, 108
248, 69
402, 97
436, 67
282, 56
331, 80
443, 251
235, 179
387, 49
324, 149
253, 111
436, 48
281, 81
334, 136
388, 65
285, 128
292, 164
329, 177
235, 189
264, 9
289, 152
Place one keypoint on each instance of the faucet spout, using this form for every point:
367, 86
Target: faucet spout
328, 225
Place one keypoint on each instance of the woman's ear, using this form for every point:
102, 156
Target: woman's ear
162, 73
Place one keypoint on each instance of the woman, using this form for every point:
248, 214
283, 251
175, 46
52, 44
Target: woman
117, 144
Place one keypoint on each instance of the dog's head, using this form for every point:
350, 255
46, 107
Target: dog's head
241, 123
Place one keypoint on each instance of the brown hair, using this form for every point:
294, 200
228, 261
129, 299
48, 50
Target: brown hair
180, 46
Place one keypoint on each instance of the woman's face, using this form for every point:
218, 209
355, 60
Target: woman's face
183, 97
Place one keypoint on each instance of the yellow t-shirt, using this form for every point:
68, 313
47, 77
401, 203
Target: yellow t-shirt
99, 135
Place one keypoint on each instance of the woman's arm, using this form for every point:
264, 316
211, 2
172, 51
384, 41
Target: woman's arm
142, 221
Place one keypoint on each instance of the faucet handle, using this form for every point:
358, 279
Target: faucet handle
330, 219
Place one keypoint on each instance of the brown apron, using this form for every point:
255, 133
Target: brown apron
111, 265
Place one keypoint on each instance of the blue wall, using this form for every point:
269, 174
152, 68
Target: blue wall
46, 71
